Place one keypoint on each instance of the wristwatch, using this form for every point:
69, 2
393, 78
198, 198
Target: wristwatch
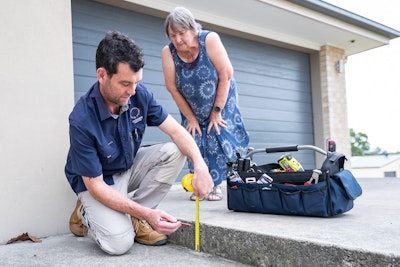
217, 109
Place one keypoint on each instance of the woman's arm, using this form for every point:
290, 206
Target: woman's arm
219, 58
168, 67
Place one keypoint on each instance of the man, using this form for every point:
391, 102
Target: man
118, 183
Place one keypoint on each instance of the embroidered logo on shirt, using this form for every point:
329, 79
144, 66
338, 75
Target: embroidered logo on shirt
135, 115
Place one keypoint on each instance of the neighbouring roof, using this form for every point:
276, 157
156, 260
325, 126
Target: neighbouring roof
375, 161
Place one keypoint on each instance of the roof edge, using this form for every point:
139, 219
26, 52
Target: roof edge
347, 16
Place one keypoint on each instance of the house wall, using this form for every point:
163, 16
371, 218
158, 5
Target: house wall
37, 96
35, 100
377, 172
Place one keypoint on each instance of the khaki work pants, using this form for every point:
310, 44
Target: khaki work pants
147, 182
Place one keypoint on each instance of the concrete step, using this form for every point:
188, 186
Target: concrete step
367, 235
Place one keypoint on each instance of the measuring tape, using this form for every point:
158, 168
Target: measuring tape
187, 185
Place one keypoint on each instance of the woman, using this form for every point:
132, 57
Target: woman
199, 76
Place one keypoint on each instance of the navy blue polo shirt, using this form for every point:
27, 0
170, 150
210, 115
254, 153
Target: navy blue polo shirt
102, 143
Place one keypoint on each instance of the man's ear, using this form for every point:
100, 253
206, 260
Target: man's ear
101, 74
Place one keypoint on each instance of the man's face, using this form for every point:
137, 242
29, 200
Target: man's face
117, 90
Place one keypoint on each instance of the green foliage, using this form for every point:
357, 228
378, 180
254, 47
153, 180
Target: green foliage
376, 151
361, 147
359, 143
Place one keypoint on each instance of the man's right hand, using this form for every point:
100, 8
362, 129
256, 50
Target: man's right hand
202, 182
162, 222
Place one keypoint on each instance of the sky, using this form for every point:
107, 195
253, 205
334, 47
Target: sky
373, 79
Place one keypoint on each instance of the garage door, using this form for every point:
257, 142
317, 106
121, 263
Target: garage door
273, 83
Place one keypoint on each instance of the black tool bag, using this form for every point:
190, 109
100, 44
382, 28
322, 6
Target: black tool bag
258, 188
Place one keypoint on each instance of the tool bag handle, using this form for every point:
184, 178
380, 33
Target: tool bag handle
286, 149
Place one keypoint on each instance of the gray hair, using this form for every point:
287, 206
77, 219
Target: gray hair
183, 18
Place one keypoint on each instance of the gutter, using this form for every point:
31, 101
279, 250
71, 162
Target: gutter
347, 16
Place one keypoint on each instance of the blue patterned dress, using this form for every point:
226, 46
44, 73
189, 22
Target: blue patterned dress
197, 82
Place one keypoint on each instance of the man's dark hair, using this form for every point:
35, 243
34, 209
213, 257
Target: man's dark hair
118, 48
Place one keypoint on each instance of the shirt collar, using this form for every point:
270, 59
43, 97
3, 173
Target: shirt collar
103, 111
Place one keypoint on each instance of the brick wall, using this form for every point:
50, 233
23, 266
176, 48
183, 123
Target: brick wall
334, 99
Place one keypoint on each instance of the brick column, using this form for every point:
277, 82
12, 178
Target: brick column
334, 99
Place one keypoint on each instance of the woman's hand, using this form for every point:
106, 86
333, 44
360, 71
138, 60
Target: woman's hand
216, 121
193, 126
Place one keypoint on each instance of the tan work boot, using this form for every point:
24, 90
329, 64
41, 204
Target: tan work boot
146, 235
75, 222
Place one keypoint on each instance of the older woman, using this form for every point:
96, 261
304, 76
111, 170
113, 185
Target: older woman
199, 76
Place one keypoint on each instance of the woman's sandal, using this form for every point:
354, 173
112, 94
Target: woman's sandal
193, 197
216, 194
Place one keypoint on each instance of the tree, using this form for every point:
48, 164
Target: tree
359, 143
377, 151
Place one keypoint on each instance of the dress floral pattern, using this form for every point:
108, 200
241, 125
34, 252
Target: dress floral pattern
197, 81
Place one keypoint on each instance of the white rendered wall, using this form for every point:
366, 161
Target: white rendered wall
36, 96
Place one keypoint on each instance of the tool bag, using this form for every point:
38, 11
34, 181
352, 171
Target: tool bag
253, 188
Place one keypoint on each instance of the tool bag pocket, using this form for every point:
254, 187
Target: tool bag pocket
344, 189
286, 195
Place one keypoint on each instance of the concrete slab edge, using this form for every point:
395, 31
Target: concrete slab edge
263, 250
